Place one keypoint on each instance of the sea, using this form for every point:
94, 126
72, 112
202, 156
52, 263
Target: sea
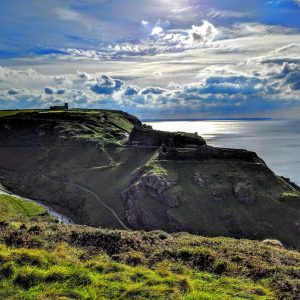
277, 142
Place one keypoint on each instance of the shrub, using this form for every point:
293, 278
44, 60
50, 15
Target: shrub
3, 224
197, 256
220, 267
28, 277
132, 258
30, 257
7, 270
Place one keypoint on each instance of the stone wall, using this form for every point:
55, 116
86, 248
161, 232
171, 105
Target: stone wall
154, 138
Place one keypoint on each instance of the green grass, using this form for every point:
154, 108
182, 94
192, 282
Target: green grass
111, 128
7, 113
290, 196
15, 209
61, 274
115, 119
41, 260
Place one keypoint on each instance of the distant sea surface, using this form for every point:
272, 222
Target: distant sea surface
277, 142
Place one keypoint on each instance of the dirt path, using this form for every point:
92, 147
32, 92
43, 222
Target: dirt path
95, 196
57, 215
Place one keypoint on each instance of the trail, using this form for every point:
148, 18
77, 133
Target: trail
95, 196
57, 215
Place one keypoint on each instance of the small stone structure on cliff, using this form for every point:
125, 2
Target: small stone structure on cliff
60, 107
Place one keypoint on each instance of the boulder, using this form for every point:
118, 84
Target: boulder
272, 242
243, 193
200, 180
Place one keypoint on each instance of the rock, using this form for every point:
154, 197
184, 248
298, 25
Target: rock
274, 243
218, 196
158, 186
200, 180
172, 199
297, 225
157, 182
243, 193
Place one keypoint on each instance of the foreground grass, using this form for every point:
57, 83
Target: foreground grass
15, 209
40, 259
55, 261
39, 274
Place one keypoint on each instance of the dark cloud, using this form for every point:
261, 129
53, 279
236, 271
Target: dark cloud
12, 92
49, 90
131, 90
60, 92
153, 90
106, 85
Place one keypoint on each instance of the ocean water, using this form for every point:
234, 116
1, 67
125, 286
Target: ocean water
277, 142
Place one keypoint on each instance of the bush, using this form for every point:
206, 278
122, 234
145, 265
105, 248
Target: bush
30, 257
28, 277
131, 258
198, 257
7, 270
220, 267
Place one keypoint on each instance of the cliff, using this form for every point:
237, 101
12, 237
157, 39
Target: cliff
104, 168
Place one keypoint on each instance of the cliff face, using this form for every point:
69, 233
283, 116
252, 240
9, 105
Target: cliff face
105, 169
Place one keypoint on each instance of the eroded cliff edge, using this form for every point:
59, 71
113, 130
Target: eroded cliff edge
102, 167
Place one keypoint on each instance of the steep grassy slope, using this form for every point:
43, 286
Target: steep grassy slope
89, 166
17, 210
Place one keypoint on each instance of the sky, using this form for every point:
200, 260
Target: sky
156, 59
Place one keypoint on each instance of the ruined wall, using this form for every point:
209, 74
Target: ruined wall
148, 137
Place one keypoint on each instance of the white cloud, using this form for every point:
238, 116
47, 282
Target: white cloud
145, 23
255, 86
244, 68
68, 14
220, 14
204, 33
157, 30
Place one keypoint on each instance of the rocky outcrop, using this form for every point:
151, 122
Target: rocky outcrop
200, 180
243, 193
158, 183
140, 213
217, 196
297, 226
273, 243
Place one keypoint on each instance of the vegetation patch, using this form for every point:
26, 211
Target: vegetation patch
66, 260
75, 278
16, 209
290, 196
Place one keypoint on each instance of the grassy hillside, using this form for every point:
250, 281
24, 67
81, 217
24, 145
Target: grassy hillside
18, 210
6, 113
40, 261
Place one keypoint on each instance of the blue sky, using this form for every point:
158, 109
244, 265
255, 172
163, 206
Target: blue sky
155, 58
